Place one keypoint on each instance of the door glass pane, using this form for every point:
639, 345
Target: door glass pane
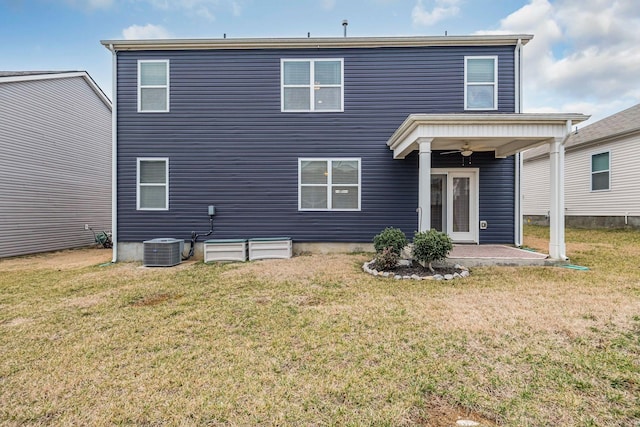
461, 204
438, 193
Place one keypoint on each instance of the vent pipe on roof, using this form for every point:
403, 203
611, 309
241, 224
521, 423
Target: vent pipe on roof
344, 25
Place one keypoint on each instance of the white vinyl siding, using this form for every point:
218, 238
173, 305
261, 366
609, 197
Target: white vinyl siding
536, 178
622, 199
329, 184
312, 85
600, 171
153, 184
480, 82
55, 165
153, 86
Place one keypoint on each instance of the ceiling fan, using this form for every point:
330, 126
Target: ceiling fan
465, 150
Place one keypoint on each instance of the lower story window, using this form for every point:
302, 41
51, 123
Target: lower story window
329, 184
600, 170
153, 184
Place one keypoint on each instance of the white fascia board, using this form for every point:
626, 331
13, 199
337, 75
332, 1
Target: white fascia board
483, 120
315, 43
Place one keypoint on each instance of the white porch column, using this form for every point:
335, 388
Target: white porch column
424, 184
557, 248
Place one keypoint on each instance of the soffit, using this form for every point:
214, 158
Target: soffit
504, 134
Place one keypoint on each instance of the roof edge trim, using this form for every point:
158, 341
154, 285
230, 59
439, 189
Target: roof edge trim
315, 43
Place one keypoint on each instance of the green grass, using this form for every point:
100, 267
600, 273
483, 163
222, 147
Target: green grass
314, 341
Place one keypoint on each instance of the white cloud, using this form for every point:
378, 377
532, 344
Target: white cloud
100, 4
91, 4
236, 8
328, 4
205, 9
584, 55
149, 31
442, 9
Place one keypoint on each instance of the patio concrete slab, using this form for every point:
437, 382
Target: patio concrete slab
480, 255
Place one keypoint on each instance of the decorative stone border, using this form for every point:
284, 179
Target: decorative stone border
464, 272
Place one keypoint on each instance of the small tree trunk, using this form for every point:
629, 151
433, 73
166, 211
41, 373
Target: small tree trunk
431, 268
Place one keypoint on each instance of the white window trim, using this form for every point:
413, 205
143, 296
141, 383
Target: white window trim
166, 184
311, 61
495, 83
608, 171
329, 183
141, 61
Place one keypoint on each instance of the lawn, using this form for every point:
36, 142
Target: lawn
315, 341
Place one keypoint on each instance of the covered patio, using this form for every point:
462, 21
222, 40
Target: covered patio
502, 134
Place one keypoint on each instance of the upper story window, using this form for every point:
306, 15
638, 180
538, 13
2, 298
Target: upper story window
329, 184
480, 82
600, 171
312, 85
153, 86
153, 184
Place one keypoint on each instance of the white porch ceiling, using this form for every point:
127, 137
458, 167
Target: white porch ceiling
504, 134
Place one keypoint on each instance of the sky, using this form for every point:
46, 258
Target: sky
584, 57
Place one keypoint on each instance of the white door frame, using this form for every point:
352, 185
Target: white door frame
474, 188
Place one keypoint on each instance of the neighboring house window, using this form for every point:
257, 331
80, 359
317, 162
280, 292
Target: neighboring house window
600, 172
329, 184
153, 184
153, 86
312, 85
480, 82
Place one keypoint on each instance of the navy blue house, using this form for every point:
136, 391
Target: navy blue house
325, 140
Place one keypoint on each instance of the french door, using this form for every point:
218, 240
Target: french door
454, 203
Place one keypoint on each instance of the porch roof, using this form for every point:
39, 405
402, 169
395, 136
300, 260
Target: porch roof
504, 134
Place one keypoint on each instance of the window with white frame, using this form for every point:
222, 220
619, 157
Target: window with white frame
153, 86
480, 82
600, 171
329, 184
312, 85
153, 184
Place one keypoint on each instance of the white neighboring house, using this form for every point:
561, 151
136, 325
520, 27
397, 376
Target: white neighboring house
601, 176
55, 161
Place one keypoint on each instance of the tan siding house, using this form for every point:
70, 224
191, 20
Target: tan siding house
602, 174
55, 161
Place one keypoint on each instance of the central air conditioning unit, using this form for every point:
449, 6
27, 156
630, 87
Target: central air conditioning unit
162, 252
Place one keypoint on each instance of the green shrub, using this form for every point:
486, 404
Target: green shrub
386, 259
390, 237
432, 245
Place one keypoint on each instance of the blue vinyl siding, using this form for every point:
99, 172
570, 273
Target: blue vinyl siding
497, 192
229, 144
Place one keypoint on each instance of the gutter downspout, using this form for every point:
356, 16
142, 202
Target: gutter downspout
114, 155
519, 232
